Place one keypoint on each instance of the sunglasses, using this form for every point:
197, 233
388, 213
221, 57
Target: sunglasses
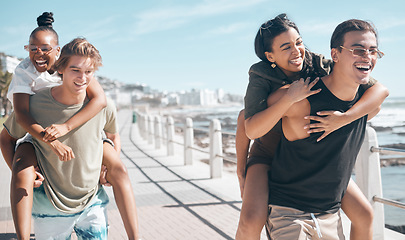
362, 52
267, 25
44, 49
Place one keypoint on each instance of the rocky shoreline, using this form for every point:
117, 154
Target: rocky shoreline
400, 229
388, 160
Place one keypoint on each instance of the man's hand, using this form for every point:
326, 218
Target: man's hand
64, 152
55, 131
103, 176
39, 179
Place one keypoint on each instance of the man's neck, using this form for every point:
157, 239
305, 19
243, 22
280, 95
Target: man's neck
341, 86
61, 95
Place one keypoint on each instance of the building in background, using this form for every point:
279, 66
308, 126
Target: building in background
8, 63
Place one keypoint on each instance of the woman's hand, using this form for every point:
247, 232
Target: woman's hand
327, 122
55, 131
65, 153
301, 89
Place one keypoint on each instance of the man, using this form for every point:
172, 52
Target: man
308, 178
70, 198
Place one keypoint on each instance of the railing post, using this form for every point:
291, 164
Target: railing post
170, 136
188, 142
144, 127
216, 160
158, 132
163, 127
368, 178
139, 117
150, 128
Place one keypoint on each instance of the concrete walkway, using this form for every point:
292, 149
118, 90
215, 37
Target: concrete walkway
174, 201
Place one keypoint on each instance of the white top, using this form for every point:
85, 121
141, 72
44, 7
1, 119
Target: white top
27, 79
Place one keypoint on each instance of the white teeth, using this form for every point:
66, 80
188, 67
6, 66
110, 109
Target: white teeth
78, 84
298, 60
363, 66
40, 63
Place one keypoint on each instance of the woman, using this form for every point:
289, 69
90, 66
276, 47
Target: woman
281, 65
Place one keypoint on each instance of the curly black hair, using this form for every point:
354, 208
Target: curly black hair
44, 22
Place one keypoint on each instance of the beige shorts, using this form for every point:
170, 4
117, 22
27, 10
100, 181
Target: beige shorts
289, 223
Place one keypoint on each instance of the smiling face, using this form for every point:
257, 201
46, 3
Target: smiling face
357, 67
288, 52
77, 75
43, 61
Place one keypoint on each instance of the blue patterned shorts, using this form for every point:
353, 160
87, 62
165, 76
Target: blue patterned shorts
49, 223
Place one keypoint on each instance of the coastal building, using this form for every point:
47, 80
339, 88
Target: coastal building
197, 97
170, 99
221, 95
8, 63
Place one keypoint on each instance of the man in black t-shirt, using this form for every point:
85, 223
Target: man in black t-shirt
308, 178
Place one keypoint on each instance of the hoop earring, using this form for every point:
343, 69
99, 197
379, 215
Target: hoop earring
273, 65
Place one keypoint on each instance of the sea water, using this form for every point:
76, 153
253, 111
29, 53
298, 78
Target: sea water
390, 127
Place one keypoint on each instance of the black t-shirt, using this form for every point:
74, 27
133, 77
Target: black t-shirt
312, 176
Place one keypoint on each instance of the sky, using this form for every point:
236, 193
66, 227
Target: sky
174, 45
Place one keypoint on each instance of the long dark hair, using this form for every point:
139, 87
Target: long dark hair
271, 29
45, 24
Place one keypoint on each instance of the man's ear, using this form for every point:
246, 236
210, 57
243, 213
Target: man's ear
334, 53
269, 57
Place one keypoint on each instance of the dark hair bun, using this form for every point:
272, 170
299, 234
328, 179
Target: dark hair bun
46, 20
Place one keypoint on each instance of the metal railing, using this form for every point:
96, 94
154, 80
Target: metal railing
367, 168
393, 151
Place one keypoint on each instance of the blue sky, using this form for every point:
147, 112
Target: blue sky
204, 44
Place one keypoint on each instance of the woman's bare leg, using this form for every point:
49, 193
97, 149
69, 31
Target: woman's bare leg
117, 175
358, 209
253, 214
242, 144
21, 189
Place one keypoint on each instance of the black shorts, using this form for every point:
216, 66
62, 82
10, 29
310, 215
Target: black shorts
264, 148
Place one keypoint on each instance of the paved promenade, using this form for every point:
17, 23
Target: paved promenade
174, 201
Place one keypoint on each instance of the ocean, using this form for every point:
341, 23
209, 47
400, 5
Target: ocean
389, 125
390, 128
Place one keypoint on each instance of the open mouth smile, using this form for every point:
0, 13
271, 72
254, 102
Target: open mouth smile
80, 84
41, 63
364, 67
296, 61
